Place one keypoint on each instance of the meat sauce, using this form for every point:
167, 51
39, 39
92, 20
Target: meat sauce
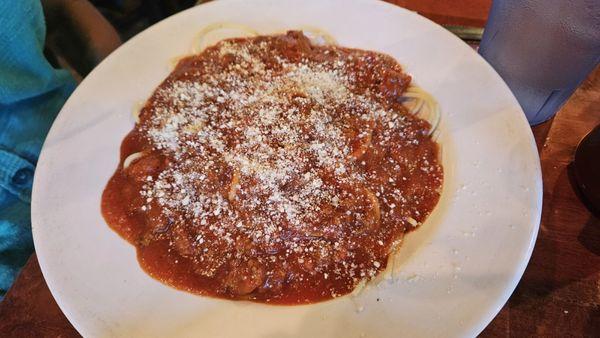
274, 170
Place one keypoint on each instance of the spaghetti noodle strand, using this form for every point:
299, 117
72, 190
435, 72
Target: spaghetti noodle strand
201, 39
423, 100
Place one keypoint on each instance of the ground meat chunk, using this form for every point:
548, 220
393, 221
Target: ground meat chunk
245, 276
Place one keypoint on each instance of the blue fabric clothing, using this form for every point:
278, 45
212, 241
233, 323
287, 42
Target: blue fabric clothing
31, 94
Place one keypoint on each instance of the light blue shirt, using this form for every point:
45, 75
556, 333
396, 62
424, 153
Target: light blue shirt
31, 94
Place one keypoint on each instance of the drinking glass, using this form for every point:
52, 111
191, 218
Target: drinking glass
543, 49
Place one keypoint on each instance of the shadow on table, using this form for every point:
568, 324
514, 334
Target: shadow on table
589, 237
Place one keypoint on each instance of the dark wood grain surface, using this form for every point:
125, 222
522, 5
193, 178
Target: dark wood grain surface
559, 294
456, 12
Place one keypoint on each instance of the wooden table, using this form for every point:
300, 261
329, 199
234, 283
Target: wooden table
559, 294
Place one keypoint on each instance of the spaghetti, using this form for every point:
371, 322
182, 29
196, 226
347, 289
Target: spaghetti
219, 29
277, 170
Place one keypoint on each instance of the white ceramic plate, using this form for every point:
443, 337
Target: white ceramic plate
456, 271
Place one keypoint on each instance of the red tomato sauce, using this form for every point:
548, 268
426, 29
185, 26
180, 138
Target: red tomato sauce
274, 170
